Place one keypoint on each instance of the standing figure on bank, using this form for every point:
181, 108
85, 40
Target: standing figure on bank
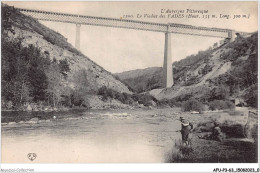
186, 127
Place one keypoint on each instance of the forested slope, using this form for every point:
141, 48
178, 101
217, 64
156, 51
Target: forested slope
39, 66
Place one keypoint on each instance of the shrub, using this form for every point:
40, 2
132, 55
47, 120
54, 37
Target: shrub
221, 105
183, 97
171, 103
102, 90
193, 80
66, 100
106, 93
76, 99
192, 105
146, 99
181, 153
125, 98
174, 103
163, 102
251, 95
220, 93
206, 69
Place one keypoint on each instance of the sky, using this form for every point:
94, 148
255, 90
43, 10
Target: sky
119, 50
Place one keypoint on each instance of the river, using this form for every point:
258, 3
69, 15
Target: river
90, 136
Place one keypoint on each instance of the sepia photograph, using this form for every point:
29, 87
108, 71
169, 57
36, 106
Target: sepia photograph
129, 82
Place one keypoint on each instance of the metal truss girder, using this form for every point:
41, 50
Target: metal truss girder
129, 24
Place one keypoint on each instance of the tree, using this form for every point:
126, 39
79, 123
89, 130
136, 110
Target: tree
36, 73
220, 93
6, 19
54, 88
23, 76
151, 83
215, 45
64, 67
85, 85
192, 105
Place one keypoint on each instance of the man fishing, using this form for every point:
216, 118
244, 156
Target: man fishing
186, 127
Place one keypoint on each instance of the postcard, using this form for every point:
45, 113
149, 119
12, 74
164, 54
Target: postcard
129, 82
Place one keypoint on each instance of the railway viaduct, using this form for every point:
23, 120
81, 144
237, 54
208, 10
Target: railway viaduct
137, 25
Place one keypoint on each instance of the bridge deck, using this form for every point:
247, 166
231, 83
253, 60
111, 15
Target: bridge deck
129, 24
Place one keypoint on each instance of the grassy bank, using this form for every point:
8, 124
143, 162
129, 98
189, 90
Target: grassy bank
239, 143
210, 151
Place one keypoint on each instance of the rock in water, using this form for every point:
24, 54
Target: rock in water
33, 121
11, 123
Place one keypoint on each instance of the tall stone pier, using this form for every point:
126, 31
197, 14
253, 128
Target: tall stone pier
77, 42
167, 65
